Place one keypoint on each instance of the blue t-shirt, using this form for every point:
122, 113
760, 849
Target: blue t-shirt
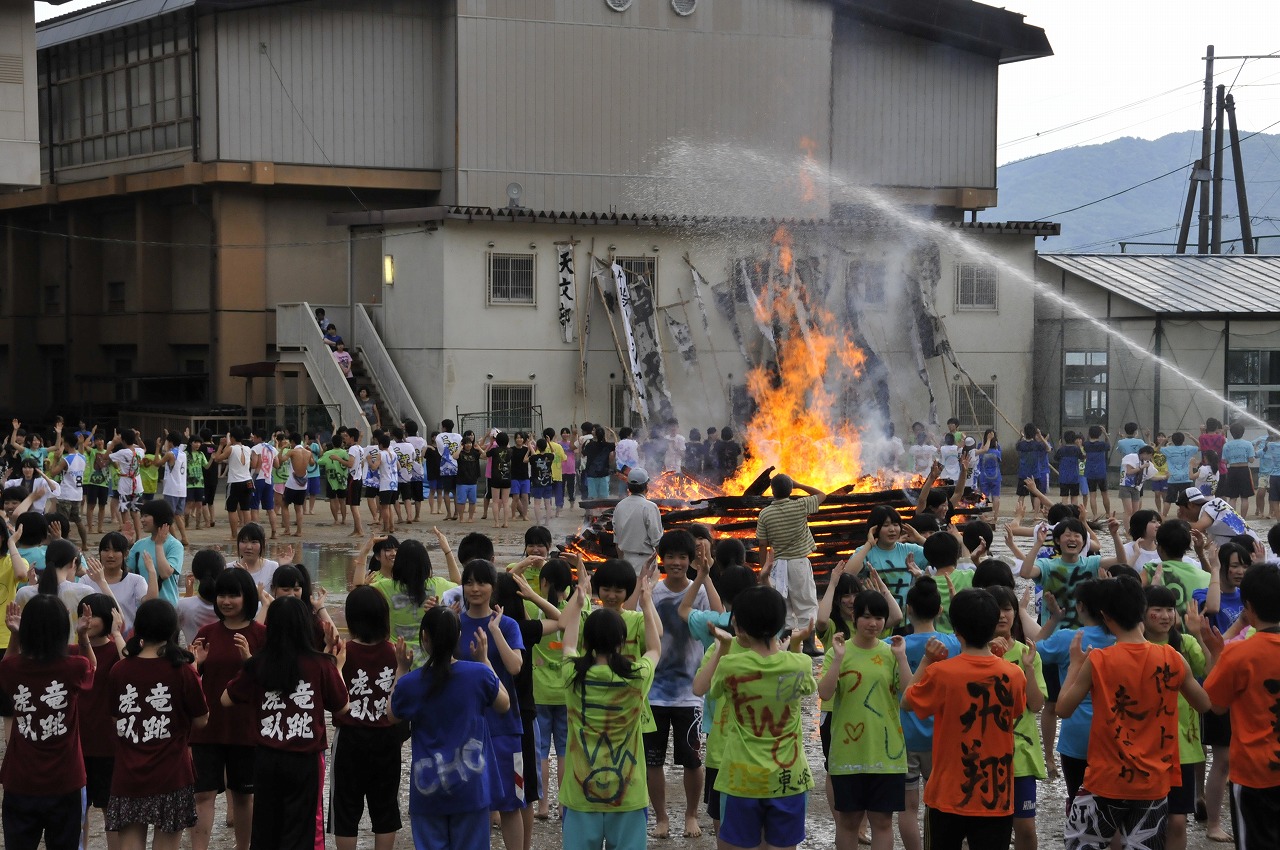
1068, 458
1095, 458
1237, 451
1033, 457
173, 553
918, 733
1229, 610
34, 556
1178, 462
451, 744
499, 724
702, 625
1268, 452
891, 564
1129, 445
989, 467
1073, 738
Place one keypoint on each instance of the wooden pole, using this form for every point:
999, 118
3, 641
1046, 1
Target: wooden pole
1237, 167
715, 360
1215, 243
624, 356
1206, 142
584, 323
702, 379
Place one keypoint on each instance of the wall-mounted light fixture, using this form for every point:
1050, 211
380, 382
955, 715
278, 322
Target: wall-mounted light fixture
389, 269
533, 246
489, 376
490, 244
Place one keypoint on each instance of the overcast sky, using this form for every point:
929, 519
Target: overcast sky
1121, 68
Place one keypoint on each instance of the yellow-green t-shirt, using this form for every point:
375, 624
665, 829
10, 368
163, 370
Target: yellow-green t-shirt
605, 766
866, 727
557, 450
149, 474
960, 579
763, 740
548, 657
1190, 749
718, 711
406, 617
1028, 755
8, 589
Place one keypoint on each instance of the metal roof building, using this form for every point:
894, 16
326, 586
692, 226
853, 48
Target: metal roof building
1182, 284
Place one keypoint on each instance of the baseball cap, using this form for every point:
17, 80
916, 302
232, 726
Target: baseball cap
970, 442
1193, 494
639, 476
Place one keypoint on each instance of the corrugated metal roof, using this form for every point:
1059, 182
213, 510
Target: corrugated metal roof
102, 18
1183, 283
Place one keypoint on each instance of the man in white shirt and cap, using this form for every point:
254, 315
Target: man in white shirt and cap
637, 522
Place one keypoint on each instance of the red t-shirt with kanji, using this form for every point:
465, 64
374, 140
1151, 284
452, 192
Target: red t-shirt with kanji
43, 758
1247, 678
97, 729
370, 672
154, 703
1133, 741
975, 702
293, 720
227, 726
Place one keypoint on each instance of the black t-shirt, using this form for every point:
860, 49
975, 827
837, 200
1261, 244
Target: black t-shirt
431, 463
501, 469
695, 455
469, 466
530, 633
728, 454
519, 463
542, 469
597, 456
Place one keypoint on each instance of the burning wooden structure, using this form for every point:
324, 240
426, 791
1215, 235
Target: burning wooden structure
839, 527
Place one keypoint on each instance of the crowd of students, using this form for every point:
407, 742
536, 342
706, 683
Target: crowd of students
937, 683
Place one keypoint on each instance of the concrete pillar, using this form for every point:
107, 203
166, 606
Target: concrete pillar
239, 301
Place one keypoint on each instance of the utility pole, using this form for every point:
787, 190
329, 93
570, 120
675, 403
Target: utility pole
1202, 242
1237, 168
1216, 243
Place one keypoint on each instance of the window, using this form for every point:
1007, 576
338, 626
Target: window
865, 281
115, 296
1253, 381
620, 412
1084, 388
646, 267
511, 407
976, 287
975, 411
511, 279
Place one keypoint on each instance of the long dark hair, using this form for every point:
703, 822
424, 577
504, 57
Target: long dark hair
368, 614
157, 622
1007, 600
559, 578
411, 569
290, 637
439, 635
506, 594
60, 554
1159, 596
603, 633
44, 630
848, 584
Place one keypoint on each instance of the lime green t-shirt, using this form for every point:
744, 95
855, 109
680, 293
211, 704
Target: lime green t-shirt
1181, 578
866, 727
548, 657
763, 739
1028, 754
149, 473
280, 474
406, 617
605, 765
1190, 749
95, 477
718, 711
960, 579
335, 473
196, 463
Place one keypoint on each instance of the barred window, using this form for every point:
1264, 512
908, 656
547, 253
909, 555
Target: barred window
621, 414
866, 280
646, 267
511, 279
975, 411
977, 287
511, 407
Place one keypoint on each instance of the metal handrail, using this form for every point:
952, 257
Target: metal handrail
296, 330
383, 371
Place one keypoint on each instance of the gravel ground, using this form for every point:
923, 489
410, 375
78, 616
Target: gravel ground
329, 548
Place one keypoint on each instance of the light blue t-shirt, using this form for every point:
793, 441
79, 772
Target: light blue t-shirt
1129, 445
173, 553
918, 733
1237, 451
1073, 738
1268, 452
702, 625
1178, 462
891, 564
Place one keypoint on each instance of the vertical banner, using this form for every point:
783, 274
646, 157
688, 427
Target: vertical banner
698, 283
641, 401
644, 329
683, 336
565, 281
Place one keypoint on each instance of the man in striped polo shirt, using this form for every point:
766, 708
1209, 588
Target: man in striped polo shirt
782, 531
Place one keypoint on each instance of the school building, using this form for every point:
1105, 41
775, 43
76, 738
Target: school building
213, 170
1166, 341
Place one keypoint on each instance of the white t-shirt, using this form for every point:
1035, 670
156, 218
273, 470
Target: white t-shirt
1145, 556
266, 569
175, 476
39, 487
923, 456
193, 615
627, 453
404, 453
356, 452
129, 591
1226, 522
267, 464
448, 445
419, 447
950, 462
72, 487
69, 592
387, 479
681, 654
673, 461
128, 461
238, 464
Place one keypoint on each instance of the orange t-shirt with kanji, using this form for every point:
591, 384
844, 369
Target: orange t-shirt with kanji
975, 702
1133, 741
1247, 678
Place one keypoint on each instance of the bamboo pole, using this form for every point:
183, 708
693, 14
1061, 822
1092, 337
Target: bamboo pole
624, 357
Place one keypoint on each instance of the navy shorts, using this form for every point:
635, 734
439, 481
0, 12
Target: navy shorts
1182, 800
313, 486
541, 492
264, 494
1024, 797
776, 821
519, 486
869, 792
95, 495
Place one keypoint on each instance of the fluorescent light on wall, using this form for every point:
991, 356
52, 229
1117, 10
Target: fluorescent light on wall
388, 269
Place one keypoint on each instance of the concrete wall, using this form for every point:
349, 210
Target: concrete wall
447, 340
19, 114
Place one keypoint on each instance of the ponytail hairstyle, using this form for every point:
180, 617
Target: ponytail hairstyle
59, 555
157, 622
559, 579
411, 569
290, 576
438, 636
604, 633
114, 541
206, 565
45, 629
